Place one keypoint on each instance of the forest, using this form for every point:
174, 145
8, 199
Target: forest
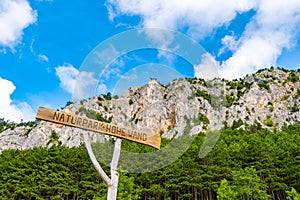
251, 163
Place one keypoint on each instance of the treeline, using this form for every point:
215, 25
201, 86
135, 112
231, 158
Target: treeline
244, 164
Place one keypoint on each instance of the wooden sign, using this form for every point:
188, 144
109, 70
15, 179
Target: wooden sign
98, 126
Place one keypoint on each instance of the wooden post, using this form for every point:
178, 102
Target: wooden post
94, 160
112, 182
113, 187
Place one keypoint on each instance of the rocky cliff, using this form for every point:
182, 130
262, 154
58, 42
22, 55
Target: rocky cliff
269, 98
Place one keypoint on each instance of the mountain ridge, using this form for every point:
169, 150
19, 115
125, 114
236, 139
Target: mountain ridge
269, 98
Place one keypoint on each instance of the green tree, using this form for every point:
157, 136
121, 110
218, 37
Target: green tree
226, 192
127, 189
248, 185
292, 195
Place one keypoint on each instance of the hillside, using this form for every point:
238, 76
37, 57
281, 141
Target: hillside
255, 157
269, 98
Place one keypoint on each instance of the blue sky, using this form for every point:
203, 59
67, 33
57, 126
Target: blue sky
43, 43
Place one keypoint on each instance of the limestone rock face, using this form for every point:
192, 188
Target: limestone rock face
269, 97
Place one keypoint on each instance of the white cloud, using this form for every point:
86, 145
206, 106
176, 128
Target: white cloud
114, 69
86, 85
208, 68
101, 89
168, 57
105, 56
199, 17
15, 16
160, 38
229, 43
272, 29
80, 84
12, 110
253, 54
43, 58
67, 75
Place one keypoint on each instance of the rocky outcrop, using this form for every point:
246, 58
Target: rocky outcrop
269, 97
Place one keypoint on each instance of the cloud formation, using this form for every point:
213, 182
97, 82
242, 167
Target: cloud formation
198, 17
43, 58
271, 30
67, 75
15, 16
11, 110
80, 84
208, 68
